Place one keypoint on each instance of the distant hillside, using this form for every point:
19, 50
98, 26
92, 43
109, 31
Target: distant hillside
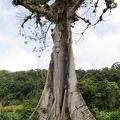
100, 89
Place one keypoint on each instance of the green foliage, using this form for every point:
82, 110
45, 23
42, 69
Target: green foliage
24, 87
88, 89
21, 85
18, 115
41, 2
115, 115
100, 89
103, 116
9, 115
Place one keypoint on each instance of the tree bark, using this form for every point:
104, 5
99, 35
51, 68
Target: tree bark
61, 99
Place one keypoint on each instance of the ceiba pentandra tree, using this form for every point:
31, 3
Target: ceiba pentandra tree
61, 99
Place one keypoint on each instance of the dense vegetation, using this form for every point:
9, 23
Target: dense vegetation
20, 88
100, 89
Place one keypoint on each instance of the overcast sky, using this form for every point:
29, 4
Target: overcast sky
99, 48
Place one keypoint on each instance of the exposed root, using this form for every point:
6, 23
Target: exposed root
43, 93
64, 105
53, 107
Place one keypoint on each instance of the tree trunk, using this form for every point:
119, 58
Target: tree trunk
60, 99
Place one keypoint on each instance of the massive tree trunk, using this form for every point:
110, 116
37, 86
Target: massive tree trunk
61, 100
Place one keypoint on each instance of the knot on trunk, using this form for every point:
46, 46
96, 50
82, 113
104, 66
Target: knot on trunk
57, 49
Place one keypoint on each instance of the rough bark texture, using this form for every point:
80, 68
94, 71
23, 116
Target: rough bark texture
60, 99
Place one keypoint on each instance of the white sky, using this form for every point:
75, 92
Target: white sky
100, 47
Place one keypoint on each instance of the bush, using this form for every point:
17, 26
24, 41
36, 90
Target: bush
18, 115
115, 115
14, 102
103, 115
4, 103
9, 115
3, 115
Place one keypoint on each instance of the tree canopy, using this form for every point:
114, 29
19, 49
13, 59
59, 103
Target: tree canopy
55, 10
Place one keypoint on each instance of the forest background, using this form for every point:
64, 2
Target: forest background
20, 92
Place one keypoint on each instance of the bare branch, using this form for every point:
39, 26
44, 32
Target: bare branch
45, 34
82, 33
95, 6
85, 20
26, 19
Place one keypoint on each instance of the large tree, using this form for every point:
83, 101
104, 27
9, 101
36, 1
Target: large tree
61, 99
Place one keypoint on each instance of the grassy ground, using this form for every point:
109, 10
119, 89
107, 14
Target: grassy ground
12, 107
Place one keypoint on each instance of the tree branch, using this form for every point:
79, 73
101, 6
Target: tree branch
77, 4
72, 7
26, 19
46, 12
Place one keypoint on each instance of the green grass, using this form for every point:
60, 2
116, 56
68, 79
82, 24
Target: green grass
11, 107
